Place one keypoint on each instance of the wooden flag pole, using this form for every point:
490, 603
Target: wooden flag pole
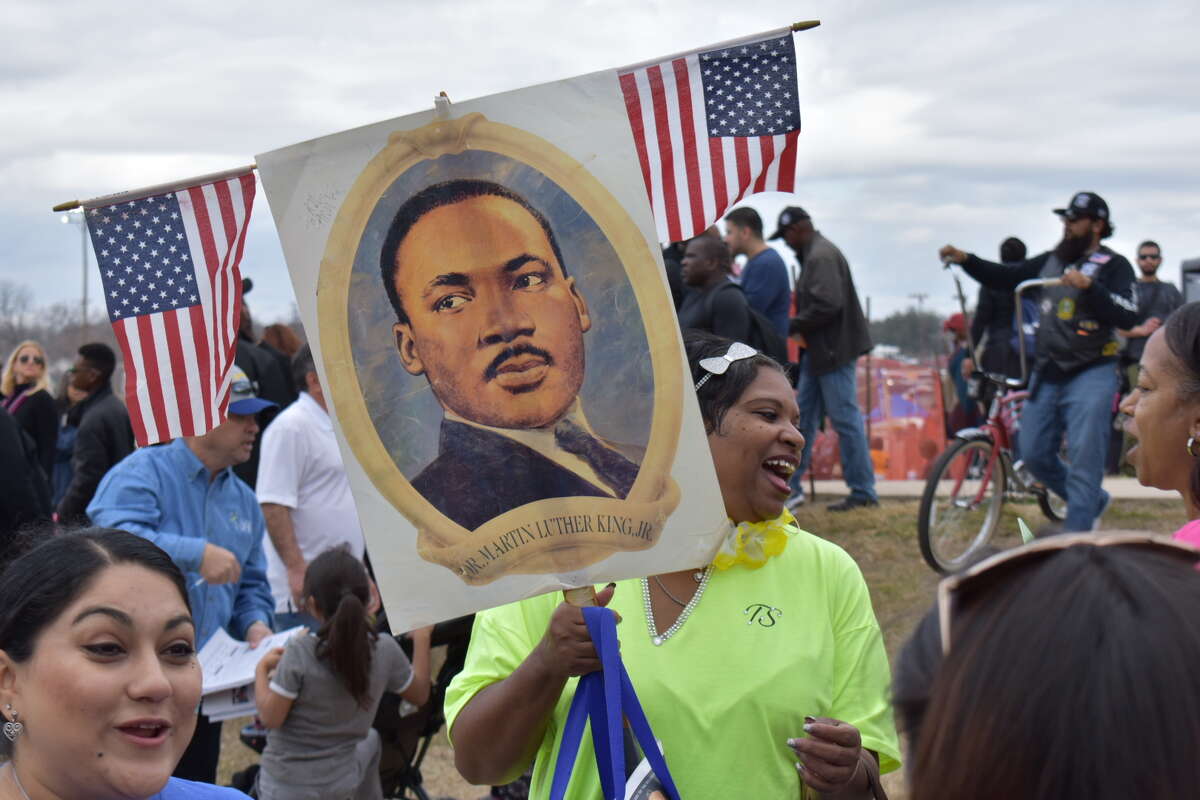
149, 191
795, 27
581, 596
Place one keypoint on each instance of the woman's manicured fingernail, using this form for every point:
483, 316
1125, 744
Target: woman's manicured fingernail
792, 742
612, 585
808, 727
809, 720
800, 766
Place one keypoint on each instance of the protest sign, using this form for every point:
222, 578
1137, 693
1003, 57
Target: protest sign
487, 305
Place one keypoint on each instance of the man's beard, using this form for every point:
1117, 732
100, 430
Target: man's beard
1071, 249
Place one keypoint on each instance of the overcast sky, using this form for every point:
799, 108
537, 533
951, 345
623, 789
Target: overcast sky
924, 122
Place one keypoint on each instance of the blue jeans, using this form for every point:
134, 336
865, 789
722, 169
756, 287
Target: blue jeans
834, 395
1081, 408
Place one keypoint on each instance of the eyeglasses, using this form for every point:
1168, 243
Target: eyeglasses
956, 591
1148, 256
25, 359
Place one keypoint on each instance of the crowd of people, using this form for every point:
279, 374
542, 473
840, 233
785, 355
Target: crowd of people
763, 672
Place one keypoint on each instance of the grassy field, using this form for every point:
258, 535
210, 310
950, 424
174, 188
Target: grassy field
883, 541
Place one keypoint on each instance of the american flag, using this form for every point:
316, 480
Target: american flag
713, 126
169, 267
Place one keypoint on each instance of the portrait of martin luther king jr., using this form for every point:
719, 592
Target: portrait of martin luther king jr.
487, 311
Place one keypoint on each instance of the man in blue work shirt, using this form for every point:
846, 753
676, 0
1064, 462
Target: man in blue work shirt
184, 497
764, 277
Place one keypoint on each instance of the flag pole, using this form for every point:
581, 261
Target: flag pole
150, 191
794, 27
580, 596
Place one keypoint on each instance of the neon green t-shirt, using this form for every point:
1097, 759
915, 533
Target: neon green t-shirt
762, 649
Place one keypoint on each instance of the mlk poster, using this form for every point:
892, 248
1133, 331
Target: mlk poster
486, 302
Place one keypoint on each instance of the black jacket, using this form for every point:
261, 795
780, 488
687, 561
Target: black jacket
105, 437
992, 326
25, 496
479, 475
828, 313
1078, 326
717, 311
38, 416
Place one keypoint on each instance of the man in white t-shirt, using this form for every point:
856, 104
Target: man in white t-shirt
304, 493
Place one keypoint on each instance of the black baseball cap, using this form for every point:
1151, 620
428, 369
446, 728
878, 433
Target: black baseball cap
1085, 204
787, 217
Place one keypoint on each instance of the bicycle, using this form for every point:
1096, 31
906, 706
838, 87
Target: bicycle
969, 483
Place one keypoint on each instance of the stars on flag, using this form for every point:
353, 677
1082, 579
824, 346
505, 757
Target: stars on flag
152, 248
739, 101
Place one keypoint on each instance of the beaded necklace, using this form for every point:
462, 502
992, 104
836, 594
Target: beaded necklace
749, 543
652, 628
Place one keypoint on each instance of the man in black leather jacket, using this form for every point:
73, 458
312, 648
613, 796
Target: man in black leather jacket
1074, 374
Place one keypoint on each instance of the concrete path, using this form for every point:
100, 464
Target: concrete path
1120, 488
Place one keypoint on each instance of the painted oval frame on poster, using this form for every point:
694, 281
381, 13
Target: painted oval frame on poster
386, 415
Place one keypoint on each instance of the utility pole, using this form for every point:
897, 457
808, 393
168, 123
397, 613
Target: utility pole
921, 297
76, 217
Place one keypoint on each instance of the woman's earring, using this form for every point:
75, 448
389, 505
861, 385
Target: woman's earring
13, 729
1191, 445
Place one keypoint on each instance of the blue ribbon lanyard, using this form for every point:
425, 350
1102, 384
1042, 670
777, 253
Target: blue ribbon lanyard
606, 697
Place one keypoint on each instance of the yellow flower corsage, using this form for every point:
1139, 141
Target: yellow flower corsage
752, 543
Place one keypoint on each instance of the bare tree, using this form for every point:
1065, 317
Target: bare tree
16, 306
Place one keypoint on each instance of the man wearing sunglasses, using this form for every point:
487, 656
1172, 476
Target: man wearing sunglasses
1155, 301
105, 435
1074, 375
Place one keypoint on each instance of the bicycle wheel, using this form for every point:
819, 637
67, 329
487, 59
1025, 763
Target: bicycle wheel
961, 505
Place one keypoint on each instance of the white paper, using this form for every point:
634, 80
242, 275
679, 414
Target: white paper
229, 704
228, 663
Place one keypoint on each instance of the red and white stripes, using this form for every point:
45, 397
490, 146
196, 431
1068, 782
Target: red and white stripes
692, 178
178, 361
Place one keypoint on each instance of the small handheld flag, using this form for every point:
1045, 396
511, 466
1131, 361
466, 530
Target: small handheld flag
713, 126
169, 268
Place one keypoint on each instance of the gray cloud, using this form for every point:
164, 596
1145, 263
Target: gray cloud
924, 122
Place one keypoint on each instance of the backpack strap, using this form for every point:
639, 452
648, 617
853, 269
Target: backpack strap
712, 298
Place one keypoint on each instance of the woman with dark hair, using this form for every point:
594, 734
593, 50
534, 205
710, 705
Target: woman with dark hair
25, 393
763, 672
318, 696
99, 680
1163, 413
1063, 669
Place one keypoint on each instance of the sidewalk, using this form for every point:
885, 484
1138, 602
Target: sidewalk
1120, 488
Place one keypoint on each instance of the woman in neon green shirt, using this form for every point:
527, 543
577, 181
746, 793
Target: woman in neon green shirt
763, 674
